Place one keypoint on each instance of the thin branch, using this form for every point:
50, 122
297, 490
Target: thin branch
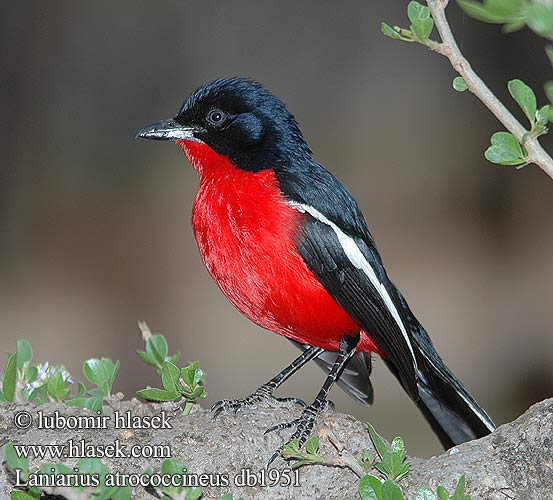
450, 49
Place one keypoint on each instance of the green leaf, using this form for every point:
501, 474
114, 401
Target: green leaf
404, 471
291, 449
121, 493
494, 11
20, 495
377, 440
508, 8
194, 493
397, 446
172, 466
502, 156
157, 394
31, 374
478, 11
514, 26
525, 98
10, 378
391, 491
102, 373
92, 466
548, 87
425, 493
56, 387
392, 33
189, 374
81, 389
542, 115
58, 469
539, 18
459, 84
507, 140
417, 11
40, 394
13, 461
24, 353
170, 376
148, 358
370, 488
93, 403
312, 445
505, 150
443, 494
459, 489
422, 28
157, 347
226, 496
389, 31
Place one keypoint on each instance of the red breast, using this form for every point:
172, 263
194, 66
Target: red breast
245, 232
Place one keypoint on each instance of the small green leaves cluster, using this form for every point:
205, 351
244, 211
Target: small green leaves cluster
420, 28
291, 451
19, 377
24, 381
179, 384
392, 465
504, 148
88, 466
170, 467
513, 14
101, 373
426, 493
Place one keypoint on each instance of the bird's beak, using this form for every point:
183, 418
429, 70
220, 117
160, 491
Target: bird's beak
167, 130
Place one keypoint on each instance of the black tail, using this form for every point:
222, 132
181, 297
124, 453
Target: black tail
454, 416
451, 411
449, 408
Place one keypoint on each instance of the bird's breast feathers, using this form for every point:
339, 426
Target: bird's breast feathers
246, 233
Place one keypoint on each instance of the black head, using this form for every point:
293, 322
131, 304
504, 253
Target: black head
240, 119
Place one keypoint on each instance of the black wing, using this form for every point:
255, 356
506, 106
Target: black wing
348, 282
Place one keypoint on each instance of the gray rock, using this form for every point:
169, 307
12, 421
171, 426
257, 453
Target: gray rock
515, 462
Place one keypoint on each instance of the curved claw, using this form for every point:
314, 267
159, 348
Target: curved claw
274, 456
218, 407
263, 394
283, 425
290, 401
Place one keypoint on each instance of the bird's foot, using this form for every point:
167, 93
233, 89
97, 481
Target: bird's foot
263, 395
304, 426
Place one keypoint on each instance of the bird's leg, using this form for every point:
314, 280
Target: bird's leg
305, 422
265, 392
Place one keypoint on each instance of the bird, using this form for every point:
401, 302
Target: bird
289, 247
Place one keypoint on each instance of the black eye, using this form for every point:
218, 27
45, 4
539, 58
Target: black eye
216, 117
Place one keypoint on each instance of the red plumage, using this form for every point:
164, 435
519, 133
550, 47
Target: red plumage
246, 231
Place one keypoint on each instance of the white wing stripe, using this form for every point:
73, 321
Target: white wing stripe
356, 257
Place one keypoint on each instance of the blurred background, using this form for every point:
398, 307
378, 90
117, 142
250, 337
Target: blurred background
95, 226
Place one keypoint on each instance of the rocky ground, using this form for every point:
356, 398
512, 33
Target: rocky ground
515, 462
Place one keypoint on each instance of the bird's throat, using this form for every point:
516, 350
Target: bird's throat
203, 158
